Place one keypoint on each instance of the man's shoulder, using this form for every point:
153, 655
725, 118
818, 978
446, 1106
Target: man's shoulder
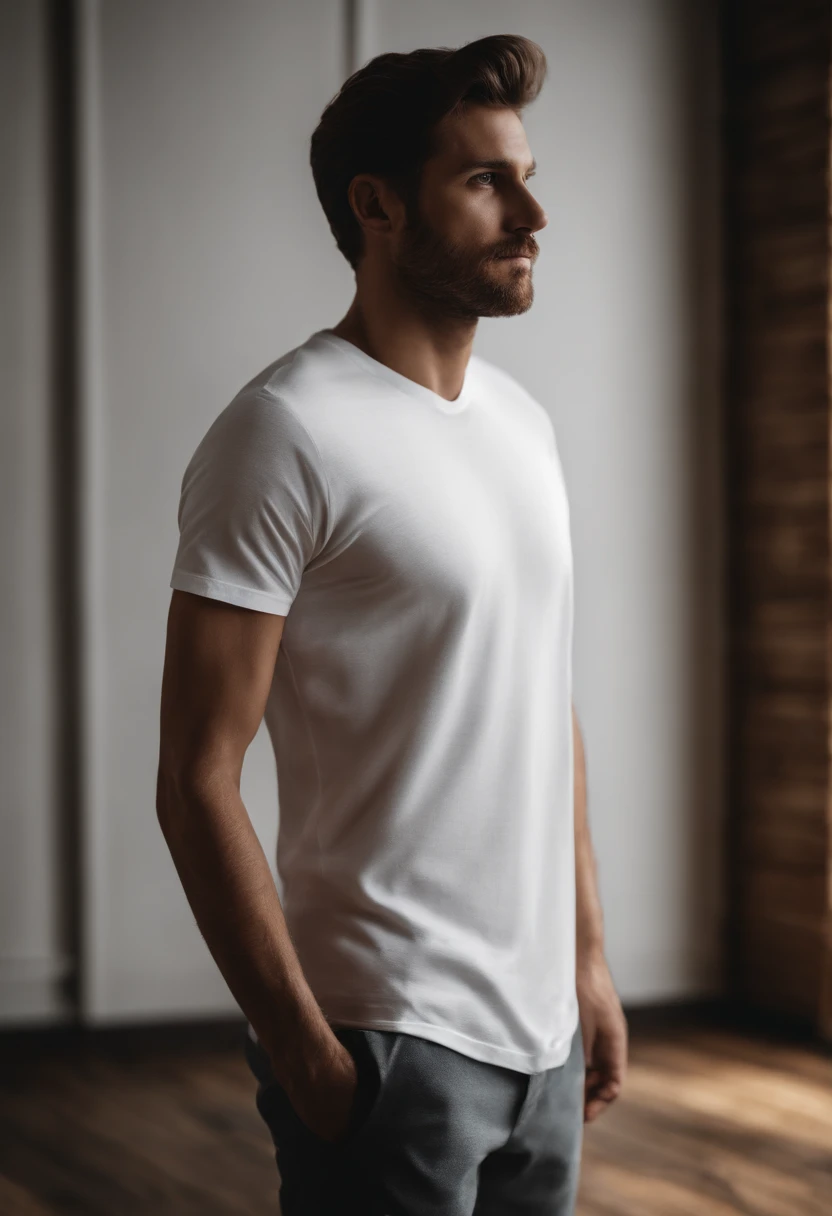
276, 398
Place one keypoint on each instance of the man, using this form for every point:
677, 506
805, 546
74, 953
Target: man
374, 554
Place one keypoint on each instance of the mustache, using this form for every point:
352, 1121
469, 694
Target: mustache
527, 251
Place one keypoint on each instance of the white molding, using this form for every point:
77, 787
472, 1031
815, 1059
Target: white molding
90, 509
29, 989
27, 968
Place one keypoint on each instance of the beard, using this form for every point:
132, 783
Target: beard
447, 280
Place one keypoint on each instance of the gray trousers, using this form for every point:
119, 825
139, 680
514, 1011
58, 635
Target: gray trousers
432, 1133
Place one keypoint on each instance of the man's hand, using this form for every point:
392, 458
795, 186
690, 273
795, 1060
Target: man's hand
324, 1092
604, 1030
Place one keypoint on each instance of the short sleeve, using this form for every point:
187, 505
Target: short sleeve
253, 508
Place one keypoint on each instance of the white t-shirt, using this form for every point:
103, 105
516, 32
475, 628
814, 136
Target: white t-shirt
420, 709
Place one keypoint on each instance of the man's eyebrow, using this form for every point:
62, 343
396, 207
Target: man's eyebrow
493, 164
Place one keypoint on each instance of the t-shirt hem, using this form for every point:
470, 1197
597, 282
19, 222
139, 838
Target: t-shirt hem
475, 1049
231, 593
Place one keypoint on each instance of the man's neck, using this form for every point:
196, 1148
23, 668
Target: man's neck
435, 356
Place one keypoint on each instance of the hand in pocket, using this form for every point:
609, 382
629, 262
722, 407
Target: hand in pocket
324, 1096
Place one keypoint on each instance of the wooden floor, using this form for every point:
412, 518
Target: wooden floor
713, 1122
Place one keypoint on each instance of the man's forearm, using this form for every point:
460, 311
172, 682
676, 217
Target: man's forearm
232, 895
590, 924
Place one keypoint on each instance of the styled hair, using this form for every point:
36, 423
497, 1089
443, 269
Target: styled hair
382, 120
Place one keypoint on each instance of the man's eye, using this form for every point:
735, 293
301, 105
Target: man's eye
488, 173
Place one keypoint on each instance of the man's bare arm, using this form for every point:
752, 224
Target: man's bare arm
218, 669
603, 1024
590, 921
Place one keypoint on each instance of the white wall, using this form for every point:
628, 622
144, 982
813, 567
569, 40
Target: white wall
206, 255
32, 958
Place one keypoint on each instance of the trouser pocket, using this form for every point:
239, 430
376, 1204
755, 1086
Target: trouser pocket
369, 1079
372, 1052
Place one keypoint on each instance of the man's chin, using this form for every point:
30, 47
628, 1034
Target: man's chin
513, 305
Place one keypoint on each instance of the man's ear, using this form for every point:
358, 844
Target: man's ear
368, 197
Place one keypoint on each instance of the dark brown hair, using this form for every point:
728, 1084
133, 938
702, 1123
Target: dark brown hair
382, 119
